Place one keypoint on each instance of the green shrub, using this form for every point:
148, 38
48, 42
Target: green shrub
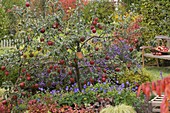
104, 10
137, 76
4, 23
156, 18
13, 71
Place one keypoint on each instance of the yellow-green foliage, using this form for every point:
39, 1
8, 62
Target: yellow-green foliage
2, 92
118, 109
140, 76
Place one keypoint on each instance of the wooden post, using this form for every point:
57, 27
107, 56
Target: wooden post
157, 62
143, 61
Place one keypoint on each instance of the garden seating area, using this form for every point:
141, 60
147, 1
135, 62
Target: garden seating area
84, 56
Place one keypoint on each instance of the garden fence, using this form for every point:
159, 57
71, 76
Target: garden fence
10, 43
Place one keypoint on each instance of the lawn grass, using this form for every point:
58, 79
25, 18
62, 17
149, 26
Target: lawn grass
156, 71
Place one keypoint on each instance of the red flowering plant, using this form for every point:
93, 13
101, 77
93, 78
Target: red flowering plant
129, 29
158, 87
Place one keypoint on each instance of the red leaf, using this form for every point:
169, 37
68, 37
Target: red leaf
167, 91
158, 90
153, 86
138, 92
147, 91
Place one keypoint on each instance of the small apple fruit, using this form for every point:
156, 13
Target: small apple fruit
58, 70
42, 30
100, 26
72, 80
117, 69
3, 68
92, 27
91, 80
51, 67
96, 19
85, 82
70, 72
61, 62
41, 39
50, 43
22, 84
23, 93
107, 57
104, 76
136, 40
29, 78
36, 86
94, 30
27, 4
28, 75
23, 70
130, 49
104, 70
82, 39
6, 73
55, 67
96, 48
48, 71
91, 62
4, 102
94, 22
14, 97
98, 69
103, 79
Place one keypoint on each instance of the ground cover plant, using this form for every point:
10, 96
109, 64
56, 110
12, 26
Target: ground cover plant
71, 63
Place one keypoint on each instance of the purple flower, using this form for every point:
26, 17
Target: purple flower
88, 83
101, 88
41, 89
67, 88
83, 91
91, 89
76, 90
161, 75
42, 84
123, 85
127, 82
84, 86
105, 91
53, 92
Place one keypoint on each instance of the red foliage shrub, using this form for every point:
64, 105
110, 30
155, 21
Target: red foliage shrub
158, 87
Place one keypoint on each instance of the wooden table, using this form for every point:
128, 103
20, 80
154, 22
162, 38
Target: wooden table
150, 55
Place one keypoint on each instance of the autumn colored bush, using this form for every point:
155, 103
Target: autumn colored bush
158, 87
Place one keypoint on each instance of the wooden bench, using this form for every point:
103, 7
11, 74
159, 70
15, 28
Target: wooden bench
150, 55
155, 103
